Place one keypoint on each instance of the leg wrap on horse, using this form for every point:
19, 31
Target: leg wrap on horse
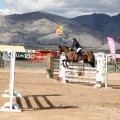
64, 62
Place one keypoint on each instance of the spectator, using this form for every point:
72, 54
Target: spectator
1, 60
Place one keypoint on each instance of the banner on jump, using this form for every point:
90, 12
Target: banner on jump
27, 56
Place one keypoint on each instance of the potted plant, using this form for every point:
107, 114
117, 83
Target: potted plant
79, 73
49, 72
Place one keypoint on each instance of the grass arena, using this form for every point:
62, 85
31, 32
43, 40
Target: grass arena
47, 99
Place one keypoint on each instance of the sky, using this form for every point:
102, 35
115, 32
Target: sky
65, 8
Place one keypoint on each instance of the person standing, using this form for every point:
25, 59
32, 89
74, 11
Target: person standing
1, 60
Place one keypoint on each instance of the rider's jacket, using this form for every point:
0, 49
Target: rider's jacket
75, 45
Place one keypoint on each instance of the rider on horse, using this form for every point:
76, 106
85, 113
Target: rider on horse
76, 46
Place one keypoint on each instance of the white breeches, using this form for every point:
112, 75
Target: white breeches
79, 49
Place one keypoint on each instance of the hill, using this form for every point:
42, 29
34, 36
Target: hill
38, 28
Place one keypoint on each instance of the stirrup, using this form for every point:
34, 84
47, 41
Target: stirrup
83, 53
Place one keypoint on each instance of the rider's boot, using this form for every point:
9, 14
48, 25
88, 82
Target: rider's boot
80, 53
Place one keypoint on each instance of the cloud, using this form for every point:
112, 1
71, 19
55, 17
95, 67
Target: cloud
21, 6
65, 8
6, 12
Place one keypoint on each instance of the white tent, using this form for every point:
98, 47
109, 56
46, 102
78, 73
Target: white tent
16, 48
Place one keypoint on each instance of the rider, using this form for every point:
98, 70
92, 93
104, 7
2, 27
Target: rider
76, 46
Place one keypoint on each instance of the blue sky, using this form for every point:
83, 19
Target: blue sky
2, 6
66, 8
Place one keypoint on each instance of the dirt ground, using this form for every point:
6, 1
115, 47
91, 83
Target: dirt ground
47, 99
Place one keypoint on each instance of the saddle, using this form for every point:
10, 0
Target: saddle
81, 53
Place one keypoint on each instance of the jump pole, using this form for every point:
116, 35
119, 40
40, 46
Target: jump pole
11, 106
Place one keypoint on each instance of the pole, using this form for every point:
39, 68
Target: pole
106, 78
62, 39
12, 71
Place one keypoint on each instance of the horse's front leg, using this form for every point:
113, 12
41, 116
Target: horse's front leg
66, 63
63, 63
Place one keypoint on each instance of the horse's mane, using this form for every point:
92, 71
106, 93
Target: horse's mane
65, 46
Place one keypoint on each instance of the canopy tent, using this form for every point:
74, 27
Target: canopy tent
16, 48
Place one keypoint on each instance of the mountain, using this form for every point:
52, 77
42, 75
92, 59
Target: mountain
38, 28
108, 26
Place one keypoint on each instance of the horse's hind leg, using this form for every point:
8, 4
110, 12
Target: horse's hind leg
86, 61
91, 61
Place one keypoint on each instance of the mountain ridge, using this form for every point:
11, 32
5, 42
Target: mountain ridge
38, 28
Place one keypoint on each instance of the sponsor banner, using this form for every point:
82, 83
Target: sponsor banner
6, 55
27, 56
112, 48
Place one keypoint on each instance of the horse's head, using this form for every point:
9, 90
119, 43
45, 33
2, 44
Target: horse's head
61, 49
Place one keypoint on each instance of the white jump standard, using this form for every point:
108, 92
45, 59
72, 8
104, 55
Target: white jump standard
11, 106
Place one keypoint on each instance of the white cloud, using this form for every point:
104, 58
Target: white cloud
6, 12
65, 8
27, 5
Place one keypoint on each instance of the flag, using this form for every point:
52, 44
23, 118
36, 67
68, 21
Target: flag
112, 47
59, 30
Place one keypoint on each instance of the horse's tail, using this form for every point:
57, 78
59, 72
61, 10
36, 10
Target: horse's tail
93, 62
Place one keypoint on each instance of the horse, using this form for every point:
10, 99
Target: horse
72, 56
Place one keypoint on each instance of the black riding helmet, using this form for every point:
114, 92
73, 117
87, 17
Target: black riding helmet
74, 39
